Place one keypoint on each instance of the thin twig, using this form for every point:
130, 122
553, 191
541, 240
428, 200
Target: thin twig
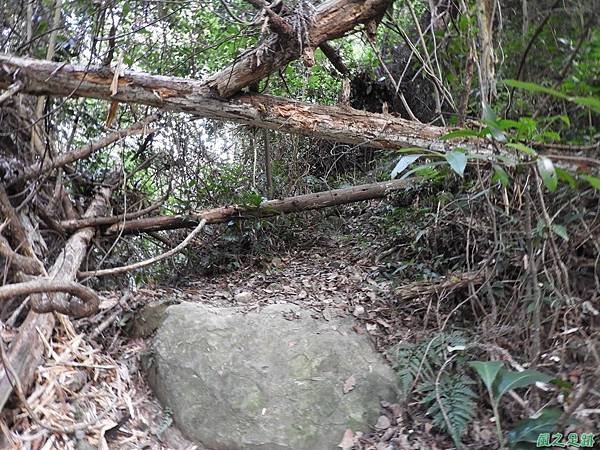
12, 90
147, 262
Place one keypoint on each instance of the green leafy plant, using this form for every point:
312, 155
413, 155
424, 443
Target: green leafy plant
498, 381
452, 403
525, 434
447, 395
590, 102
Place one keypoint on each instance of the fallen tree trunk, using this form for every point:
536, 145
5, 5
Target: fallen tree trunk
68, 262
297, 35
339, 124
266, 209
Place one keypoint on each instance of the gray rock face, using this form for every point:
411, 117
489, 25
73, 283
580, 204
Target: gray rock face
270, 380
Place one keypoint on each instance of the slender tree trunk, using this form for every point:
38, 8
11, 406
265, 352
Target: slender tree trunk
268, 173
266, 209
487, 74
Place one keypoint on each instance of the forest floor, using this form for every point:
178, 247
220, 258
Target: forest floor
93, 377
335, 273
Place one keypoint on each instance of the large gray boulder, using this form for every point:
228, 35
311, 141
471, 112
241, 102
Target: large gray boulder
277, 379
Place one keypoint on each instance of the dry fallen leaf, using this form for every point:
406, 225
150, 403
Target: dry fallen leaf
349, 384
358, 329
347, 441
383, 423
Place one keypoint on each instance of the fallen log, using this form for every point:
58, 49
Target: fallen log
337, 123
267, 208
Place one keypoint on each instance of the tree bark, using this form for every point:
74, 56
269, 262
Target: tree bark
28, 346
266, 209
339, 124
331, 19
267, 156
68, 262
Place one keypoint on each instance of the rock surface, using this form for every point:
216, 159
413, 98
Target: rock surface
270, 380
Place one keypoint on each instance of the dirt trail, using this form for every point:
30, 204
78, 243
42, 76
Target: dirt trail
334, 276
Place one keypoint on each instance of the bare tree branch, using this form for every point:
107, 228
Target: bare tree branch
91, 299
85, 151
147, 262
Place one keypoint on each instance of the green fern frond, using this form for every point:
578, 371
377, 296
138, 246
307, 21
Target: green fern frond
457, 400
424, 358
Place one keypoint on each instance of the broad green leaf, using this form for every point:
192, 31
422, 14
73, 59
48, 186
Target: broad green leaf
547, 172
565, 119
548, 136
457, 161
561, 231
593, 181
562, 117
500, 175
591, 102
533, 87
495, 132
507, 380
522, 148
529, 429
493, 127
403, 163
507, 124
459, 134
488, 114
566, 177
487, 370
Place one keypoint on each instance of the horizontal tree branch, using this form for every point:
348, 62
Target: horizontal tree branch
266, 209
339, 124
75, 224
91, 299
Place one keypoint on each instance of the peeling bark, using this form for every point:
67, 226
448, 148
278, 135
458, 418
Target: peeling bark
330, 20
339, 124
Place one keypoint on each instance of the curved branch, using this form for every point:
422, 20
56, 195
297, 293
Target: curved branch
90, 299
147, 262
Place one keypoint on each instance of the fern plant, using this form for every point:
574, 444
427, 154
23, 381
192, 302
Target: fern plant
450, 403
